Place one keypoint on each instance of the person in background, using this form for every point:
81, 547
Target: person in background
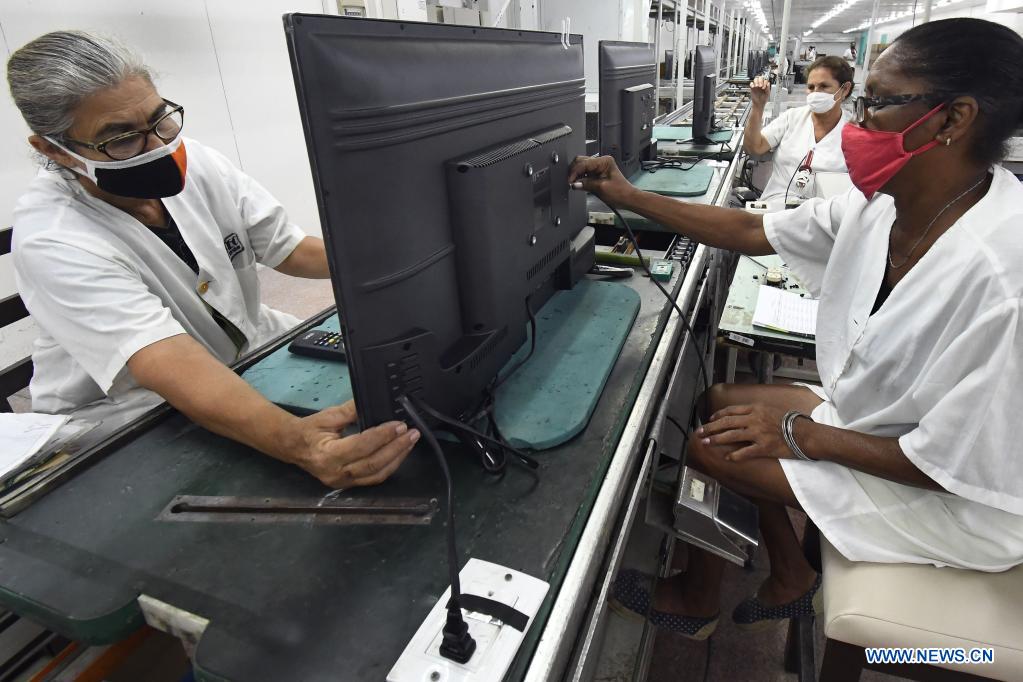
805, 140
811, 53
850, 53
911, 450
135, 252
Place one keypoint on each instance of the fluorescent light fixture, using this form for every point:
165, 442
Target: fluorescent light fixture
754, 7
832, 13
896, 16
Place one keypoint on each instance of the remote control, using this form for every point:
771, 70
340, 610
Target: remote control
319, 344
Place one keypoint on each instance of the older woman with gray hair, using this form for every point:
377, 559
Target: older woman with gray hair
135, 251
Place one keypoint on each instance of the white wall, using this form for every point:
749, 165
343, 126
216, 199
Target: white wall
597, 20
225, 62
827, 47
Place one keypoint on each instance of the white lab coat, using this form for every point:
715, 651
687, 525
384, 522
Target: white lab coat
939, 365
101, 286
791, 136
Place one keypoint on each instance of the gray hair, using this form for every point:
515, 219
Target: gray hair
51, 75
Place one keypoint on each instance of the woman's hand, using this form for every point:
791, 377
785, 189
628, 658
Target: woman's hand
365, 458
760, 91
600, 175
756, 429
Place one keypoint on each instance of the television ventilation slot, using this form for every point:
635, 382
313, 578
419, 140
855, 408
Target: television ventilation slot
487, 348
545, 261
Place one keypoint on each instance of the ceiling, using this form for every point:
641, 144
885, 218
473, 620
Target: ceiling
856, 13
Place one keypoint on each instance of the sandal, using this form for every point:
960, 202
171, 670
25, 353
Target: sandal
753, 614
630, 598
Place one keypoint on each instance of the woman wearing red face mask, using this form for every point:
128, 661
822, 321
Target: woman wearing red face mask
910, 452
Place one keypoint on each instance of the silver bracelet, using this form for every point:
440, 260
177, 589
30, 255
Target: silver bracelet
790, 440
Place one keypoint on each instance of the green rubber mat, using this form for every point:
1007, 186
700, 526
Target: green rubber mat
675, 182
545, 403
685, 134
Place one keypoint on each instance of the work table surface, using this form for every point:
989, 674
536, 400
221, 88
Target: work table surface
297, 601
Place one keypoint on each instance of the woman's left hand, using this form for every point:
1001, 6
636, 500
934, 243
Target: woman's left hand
756, 429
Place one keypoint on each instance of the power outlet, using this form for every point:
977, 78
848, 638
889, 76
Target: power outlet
496, 643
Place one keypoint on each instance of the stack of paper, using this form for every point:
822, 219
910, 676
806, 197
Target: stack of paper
31, 440
786, 312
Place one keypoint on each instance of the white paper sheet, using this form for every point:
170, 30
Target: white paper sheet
785, 311
23, 435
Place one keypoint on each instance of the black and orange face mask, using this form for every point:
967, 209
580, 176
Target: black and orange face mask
154, 175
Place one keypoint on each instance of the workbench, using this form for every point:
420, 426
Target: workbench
736, 330
317, 601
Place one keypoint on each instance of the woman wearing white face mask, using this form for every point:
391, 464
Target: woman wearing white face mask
806, 138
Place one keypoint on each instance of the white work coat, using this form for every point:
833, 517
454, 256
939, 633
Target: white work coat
939, 366
791, 136
102, 286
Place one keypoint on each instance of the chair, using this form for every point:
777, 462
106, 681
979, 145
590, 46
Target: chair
18, 374
912, 605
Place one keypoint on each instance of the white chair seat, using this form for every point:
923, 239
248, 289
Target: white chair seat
907, 605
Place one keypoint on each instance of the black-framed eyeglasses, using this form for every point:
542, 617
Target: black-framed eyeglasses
862, 104
129, 145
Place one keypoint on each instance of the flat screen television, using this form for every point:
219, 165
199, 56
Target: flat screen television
627, 101
440, 157
704, 91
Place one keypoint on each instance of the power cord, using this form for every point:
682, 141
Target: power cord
532, 346
457, 645
642, 263
466, 432
799, 166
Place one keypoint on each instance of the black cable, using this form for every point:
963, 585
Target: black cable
458, 643
431, 440
798, 166
642, 263
466, 429
683, 430
706, 665
532, 346
765, 267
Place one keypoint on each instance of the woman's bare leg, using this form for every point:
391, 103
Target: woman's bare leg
697, 592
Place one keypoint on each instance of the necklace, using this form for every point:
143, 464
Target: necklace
928, 228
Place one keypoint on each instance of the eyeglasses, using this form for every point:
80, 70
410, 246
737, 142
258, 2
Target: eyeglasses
862, 104
129, 145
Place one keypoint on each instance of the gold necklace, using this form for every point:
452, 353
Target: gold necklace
928, 228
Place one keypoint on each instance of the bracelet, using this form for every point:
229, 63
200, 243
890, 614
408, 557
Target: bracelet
790, 440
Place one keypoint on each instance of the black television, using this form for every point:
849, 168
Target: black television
628, 103
704, 91
440, 158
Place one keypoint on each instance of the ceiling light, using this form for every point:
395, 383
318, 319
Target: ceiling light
895, 16
833, 12
754, 7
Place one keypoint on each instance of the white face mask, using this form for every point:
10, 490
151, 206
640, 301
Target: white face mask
820, 102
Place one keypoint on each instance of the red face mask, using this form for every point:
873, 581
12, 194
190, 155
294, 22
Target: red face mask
873, 157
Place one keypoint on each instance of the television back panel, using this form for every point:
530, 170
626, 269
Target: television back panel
390, 109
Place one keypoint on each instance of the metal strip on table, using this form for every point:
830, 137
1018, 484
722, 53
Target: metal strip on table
593, 637
559, 634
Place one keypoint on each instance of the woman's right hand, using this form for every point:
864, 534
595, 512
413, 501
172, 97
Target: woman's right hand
365, 458
760, 91
600, 175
